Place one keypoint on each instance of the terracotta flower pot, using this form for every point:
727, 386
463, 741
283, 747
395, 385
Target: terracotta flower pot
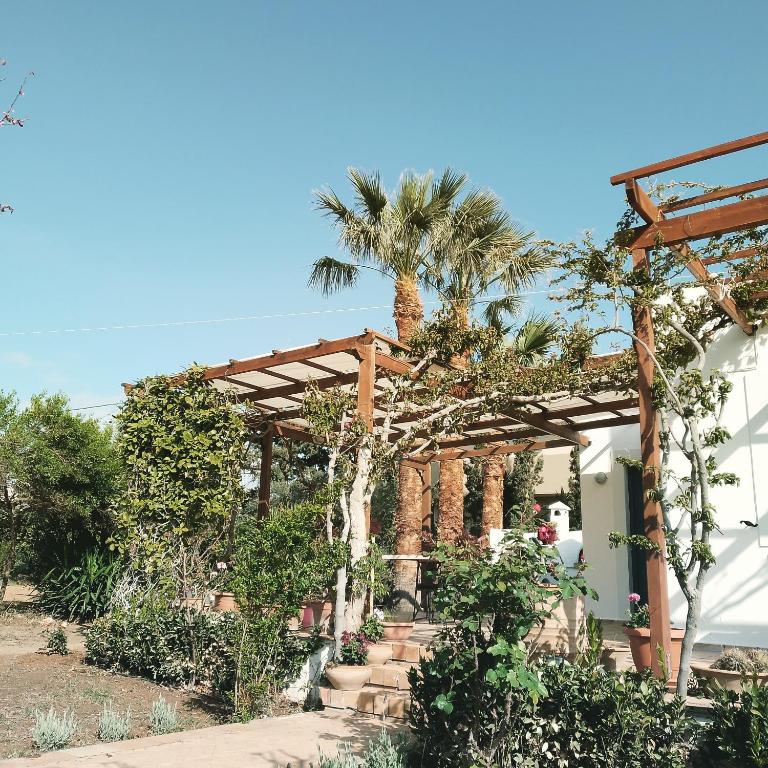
728, 679
317, 613
379, 653
397, 631
345, 677
225, 601
642, 653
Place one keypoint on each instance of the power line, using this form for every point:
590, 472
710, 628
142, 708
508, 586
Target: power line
236, 319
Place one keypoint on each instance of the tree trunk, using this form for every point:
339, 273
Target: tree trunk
409, 311
493, 494
407, 538
686, 650
358, 534
10, 553
451, 505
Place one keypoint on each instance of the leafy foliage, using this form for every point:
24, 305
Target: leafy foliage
738, 733
59, 474
183, 445
52, 731
381, 752
57, 642
354, 648
82, 591
463, 695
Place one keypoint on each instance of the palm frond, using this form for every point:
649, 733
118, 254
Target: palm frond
498, 310
327, 201
330, 275
534, 338
369, 192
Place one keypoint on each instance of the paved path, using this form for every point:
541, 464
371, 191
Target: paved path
281, 741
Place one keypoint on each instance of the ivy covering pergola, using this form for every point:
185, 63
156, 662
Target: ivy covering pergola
671, 225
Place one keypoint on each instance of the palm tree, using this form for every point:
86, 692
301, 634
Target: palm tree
530, 343
480, 250
393, 235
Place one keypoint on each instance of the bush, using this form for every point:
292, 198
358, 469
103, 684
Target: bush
749, 661
738, 733
57, 643
482, 701
163, 718
82, 591
113, 726
380, 753
52, 731
169, 645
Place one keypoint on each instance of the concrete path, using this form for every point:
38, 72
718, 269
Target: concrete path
294, 740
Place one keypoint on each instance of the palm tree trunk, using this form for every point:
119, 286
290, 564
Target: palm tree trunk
493, 494
451, 503
409, 315
407, 539
409, 311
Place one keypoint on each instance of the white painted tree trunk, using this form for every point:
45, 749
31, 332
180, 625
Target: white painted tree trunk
358, 533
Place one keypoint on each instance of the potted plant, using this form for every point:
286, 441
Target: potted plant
734, 666
223, 601
637, 628
373, 629
352, 673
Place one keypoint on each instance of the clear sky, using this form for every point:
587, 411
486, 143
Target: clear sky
166, 170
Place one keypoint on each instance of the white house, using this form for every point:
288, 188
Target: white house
735, 604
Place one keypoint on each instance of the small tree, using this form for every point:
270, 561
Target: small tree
59, 474
521, 483
603, 285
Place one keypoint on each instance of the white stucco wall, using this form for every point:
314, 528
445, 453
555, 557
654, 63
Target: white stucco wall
735, 606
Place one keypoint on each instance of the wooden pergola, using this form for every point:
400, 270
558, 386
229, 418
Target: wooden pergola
675, 227
274, 386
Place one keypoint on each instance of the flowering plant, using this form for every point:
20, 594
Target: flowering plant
638, 616
372, 627
546, 533
354, 649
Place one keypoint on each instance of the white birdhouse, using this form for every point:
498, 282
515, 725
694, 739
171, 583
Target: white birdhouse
560, 517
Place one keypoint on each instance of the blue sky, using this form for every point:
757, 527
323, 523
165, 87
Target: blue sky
166, 169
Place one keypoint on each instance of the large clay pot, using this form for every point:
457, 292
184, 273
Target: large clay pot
640, 645
317, 613
379, 653
397, 631
726, 678
345, 677
225, 601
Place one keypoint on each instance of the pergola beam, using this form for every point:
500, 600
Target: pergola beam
691, 157
653, 216
717, 194
501, 449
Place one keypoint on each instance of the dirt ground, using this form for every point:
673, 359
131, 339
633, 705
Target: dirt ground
31, 680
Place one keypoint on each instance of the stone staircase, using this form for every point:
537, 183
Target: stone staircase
387, 694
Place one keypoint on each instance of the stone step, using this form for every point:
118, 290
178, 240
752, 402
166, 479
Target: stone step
370, 699
410, 652
393, 674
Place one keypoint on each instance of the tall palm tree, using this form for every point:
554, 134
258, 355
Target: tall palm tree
394, 235
479, 250
530, 343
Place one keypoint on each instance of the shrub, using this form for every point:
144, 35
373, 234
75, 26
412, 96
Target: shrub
372, 627
354, 648
113, 726
163, 718
380, 753
57, 642
166, 644
749, 661
738, 733
52, 731
82, 591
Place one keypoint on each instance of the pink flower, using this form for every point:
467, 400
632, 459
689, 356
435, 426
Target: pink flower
546, 533
633, 597
537, 508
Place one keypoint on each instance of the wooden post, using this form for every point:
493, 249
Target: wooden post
366, 381
426, 498
265, 473
650, 454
